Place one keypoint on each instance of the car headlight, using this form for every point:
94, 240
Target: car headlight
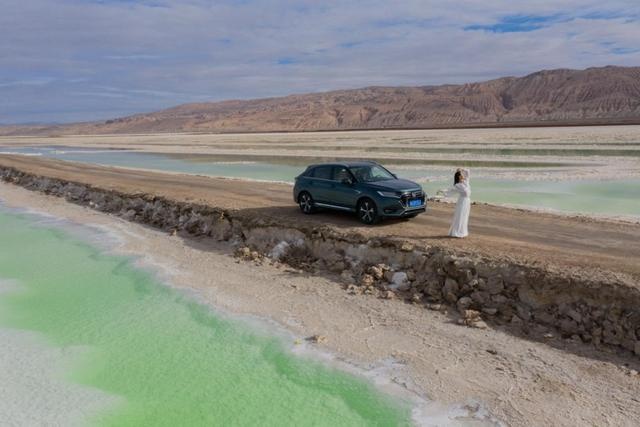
388, 194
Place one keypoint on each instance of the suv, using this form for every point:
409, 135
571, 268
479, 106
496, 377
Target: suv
365, 188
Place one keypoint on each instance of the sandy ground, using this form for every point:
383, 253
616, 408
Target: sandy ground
522, 383
583, 245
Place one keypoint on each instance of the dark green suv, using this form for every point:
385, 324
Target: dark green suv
366, 188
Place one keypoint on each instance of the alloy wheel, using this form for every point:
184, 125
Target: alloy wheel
306, 203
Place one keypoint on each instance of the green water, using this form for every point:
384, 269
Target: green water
583, 196
170, 360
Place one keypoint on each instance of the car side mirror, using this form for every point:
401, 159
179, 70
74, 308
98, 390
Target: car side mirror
347, 181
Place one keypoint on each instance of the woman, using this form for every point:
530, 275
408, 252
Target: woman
459, 226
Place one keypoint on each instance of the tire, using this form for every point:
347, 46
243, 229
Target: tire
367, 211
306, 204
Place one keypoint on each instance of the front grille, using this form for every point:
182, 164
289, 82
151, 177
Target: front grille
404, 199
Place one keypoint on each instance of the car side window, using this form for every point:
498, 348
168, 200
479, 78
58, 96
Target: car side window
322, 172
340, 173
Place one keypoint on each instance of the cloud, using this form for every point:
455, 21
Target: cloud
57, 58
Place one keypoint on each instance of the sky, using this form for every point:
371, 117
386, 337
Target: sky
81, 60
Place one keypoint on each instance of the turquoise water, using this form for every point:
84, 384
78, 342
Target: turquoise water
168, 359
583, 196
603, 197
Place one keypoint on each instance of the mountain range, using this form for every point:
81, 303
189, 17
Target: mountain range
551, 97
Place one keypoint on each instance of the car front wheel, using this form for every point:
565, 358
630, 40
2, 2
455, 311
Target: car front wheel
305, 201
367, 212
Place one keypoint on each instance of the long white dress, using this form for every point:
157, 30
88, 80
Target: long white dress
460, 223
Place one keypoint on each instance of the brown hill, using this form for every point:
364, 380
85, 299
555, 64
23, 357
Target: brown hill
592, 96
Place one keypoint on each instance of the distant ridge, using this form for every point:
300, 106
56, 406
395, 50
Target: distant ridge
603, 95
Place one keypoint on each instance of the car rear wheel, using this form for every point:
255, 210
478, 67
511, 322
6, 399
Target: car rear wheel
305, 201
367, 212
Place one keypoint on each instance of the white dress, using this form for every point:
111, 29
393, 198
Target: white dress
460, 224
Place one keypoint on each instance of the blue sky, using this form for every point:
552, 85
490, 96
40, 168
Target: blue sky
75, 60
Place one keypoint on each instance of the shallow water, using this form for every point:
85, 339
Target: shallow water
164, 358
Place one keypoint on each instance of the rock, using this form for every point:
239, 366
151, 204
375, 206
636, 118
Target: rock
480, 297
399, 281
388, 275
479, 324
255, 255
376, 272
545, 317
387, 295
464, 303
129, 215
473, 319
574, 315
636, 349
406, 247
280, 250
494, 284
568, 327
337, 267
523, 312
353, 289
411, 275
346, 276
490, 311
416, 298
434, 307
499, 300
317, 339
432, 292
367, 280
450, 290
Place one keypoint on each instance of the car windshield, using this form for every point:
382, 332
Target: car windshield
371, 173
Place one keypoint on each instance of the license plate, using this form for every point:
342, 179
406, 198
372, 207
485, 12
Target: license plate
415, 202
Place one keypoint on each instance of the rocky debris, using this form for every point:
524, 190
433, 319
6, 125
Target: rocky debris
463, 304
387, 295
377, 271
317, 339
367, 280
473, 319
450, 290
603, 311
399, 281
247, 254
406, 247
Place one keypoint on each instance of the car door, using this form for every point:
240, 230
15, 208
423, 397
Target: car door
321, 184
344, 194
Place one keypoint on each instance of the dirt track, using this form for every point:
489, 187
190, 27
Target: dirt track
534, 238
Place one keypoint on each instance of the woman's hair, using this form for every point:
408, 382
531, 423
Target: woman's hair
456, 177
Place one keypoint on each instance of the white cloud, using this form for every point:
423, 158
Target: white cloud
161, 53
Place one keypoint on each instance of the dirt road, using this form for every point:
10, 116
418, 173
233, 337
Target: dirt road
534, 238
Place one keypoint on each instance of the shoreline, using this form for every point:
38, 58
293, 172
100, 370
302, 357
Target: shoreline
132, 241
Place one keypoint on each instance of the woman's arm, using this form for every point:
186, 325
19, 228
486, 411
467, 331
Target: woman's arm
467, 174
